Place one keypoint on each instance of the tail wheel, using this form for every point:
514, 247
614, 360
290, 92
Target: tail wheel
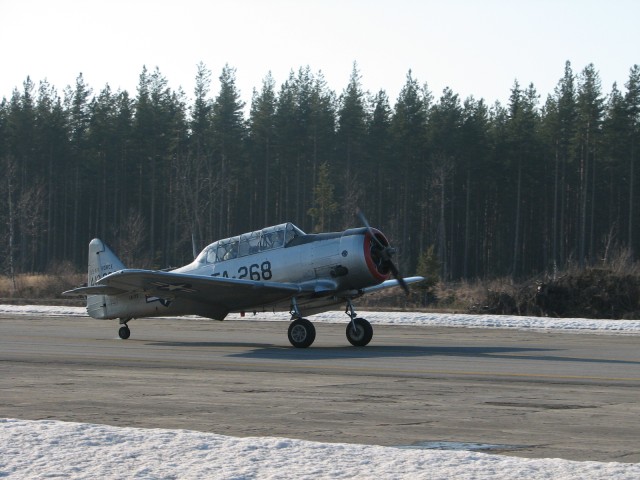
124, 332
359, 332
302, 333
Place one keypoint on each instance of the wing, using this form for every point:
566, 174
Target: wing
227, 294
224, 295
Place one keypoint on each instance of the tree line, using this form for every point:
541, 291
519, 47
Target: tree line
486, 190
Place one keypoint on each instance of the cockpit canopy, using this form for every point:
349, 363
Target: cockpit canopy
278, 236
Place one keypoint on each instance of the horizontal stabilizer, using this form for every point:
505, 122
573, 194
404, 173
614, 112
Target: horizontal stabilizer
95, 290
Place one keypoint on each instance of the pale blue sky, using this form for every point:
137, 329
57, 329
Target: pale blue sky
475, 47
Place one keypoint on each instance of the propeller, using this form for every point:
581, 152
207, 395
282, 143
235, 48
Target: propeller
386, 252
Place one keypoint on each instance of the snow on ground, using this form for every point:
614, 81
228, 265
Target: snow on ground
46, 448
575, 325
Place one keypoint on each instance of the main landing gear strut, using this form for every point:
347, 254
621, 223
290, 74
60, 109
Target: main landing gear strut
302, 333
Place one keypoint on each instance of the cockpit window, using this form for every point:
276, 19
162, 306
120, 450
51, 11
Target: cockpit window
268, 238
249, 243
228, 249
272, 237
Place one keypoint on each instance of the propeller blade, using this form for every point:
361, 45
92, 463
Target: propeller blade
397, 276
403, 284
364, 221
385, 252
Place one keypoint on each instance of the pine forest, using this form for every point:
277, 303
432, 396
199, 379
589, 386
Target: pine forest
486, 190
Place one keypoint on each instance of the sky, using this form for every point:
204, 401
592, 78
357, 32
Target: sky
474, 47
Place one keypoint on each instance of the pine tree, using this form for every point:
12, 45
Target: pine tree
379, 156
408, 127
325, 206
51, 139
443, 135
77, 103
589, 122
562, 132
522, 147
474, 157
322, 125
614, 161
195, 174
350, 144
632, 101
428, 267
286, 146
262, 138
229, 157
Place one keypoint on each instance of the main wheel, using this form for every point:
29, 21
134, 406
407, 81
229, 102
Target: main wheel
359, 332
124, 332
302, 333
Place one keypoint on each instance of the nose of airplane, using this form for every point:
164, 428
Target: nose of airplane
383, 252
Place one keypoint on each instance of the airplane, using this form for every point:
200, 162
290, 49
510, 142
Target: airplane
278, 268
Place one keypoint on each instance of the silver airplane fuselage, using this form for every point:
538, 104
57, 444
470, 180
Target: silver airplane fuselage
342, 263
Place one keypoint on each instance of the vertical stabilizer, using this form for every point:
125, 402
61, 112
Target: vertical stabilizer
102, 262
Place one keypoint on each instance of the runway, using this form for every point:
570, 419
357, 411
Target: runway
524, 393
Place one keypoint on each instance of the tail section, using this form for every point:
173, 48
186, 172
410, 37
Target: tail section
102, 262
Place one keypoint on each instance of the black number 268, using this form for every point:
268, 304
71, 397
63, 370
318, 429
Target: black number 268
256, 272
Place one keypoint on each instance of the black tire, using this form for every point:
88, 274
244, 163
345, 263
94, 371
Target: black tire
363, 332
301, 333
124, 332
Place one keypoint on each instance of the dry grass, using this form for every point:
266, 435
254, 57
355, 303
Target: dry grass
460, 295
41, 286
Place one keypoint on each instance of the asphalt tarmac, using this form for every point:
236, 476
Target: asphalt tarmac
528, 394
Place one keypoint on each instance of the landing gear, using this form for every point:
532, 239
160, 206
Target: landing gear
302, 333
359, 331
124, 331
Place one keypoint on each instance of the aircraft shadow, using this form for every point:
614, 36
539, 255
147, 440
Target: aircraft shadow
382, 351
346, 352
285, 352
210, 344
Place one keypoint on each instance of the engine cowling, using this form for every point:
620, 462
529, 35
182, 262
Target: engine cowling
361, 260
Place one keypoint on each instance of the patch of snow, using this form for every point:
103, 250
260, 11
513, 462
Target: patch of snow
574, 325
46, 448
